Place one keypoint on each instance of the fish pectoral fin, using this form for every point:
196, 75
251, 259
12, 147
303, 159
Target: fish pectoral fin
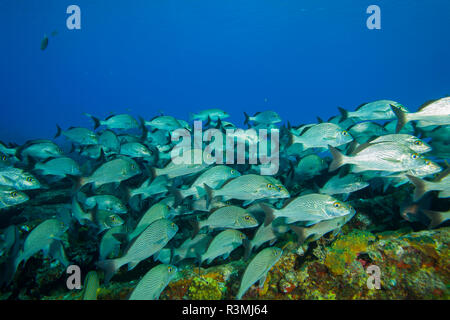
262, 281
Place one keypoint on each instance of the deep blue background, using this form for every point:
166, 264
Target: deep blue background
299, 58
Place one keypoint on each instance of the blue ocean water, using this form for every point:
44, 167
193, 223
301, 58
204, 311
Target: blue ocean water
299, 58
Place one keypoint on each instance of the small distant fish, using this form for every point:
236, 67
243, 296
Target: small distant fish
214, 177
116, 170
167, 123
318, 230
91, 286
44, 43
223, 244
154, 282
344, 185
60, 167
106, 202
149, 242
258, 268
81, 136
228, 217
120, 121
192, 248
135, 150
435, 112
248, 187
211, 114
310, 208
265, 117
10, 197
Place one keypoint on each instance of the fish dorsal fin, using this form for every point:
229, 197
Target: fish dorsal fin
426, 104
110, 116
361, 147
361, 105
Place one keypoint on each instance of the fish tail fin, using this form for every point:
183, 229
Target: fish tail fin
154, 172
338, 159
344, 113
191, 116
96, 120
435, 217
195, 227
109, 267
402, 118
269, 214
58, 132
301, 234
143, 128
209, 194
247, 118
420, 187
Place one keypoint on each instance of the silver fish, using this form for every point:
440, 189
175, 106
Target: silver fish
212, 114
377, 110
116, 170
258, 268
214, 177
120, 121
81, 136
154, 282
384, 156
40, 238
248, 187
223, 244
346, 184
435, 112
321, 135
10, 197
18, 179
106, 202
265, 117
109, 244
229, 217
155, 212
149, 242
310, 208
60, 167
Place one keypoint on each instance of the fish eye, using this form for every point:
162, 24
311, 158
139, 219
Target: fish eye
4, 158
414, 156
344, 133
418, 143
336, 204
241, 235
29, 179
232, 171
14, 194
247, 218
270, 186
133, 166
172, 225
